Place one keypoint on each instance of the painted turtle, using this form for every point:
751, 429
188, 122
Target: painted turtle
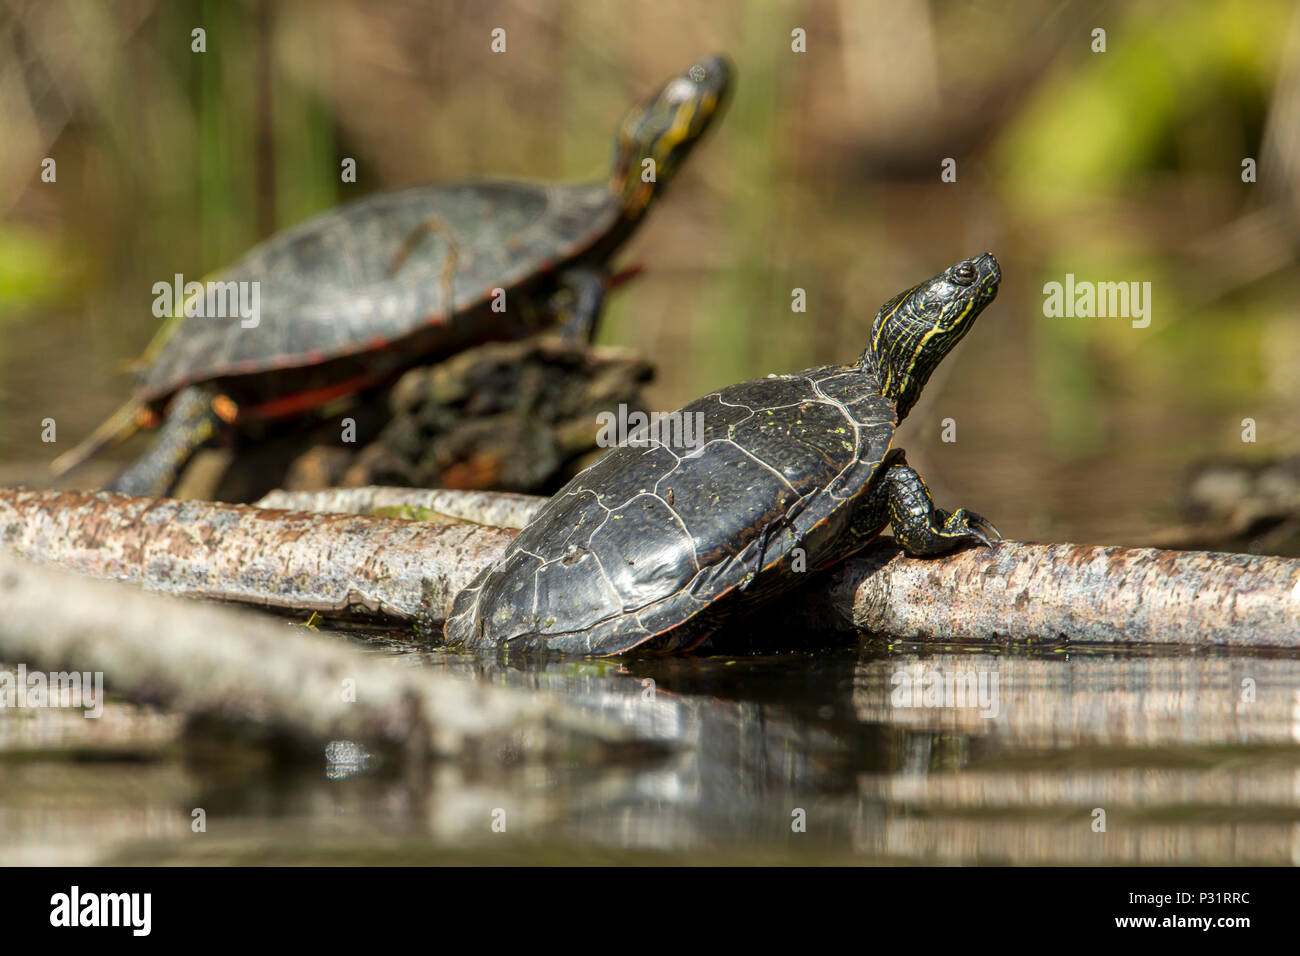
351, 297
657, 544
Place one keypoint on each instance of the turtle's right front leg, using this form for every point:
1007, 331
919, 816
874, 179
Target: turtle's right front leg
918, 526
191, 422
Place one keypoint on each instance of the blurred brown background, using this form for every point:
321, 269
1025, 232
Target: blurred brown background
825, 175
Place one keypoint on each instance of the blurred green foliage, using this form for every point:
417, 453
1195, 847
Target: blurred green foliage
35, 268
1181, 88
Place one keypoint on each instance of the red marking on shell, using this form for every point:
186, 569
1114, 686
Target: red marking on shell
624, 276
311, 398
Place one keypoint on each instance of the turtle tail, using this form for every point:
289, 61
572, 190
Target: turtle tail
119, 426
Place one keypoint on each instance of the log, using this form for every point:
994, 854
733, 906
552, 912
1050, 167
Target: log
409, 571
1021, 592
349, 566
888, 594
277, 681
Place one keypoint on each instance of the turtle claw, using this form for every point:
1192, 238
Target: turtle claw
969, 524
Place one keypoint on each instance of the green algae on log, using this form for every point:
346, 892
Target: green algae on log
502, 509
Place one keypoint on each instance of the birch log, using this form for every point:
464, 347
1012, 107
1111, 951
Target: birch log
410, 571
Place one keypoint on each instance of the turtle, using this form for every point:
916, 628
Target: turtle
352, 297
661, 541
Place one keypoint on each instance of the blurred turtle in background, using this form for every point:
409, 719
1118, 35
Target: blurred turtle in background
352, 297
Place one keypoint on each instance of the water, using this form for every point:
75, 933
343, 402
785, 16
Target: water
1194, 758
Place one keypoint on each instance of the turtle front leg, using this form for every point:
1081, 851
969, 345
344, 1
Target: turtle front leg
190, 423
918, 526
585, 286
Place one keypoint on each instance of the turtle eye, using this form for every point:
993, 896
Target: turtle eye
963, 273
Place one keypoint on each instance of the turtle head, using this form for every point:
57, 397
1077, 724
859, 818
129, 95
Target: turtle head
655, 137
914, 330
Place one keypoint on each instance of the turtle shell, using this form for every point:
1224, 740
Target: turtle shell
329, 294
649, 547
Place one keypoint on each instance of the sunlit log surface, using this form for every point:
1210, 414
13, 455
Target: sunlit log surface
403, 571
409, 571
1087, 594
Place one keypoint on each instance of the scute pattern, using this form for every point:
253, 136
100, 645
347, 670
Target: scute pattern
633, 548
325, 289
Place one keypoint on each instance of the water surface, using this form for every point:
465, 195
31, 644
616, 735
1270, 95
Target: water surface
1189, 758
